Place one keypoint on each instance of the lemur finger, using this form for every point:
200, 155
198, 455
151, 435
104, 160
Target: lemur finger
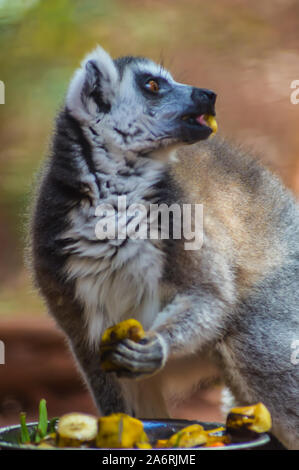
133, 351
151, 350
137, 356
136, 366
133, 359
130, 357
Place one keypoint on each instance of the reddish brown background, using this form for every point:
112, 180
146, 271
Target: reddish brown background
247, 51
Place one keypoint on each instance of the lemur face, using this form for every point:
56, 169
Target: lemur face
135, 105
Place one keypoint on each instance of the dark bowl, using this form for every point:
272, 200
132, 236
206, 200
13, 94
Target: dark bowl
155, 429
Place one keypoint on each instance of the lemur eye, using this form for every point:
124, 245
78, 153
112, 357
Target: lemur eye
152, 86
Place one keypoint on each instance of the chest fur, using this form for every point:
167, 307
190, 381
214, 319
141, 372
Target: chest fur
115, 278
123, 283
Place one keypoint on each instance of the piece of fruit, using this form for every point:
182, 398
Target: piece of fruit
143, 445
131, 329
215, 444
76, 429
243, 421
120, 431
48, 441
45, 445
161, 443
217, 435
211, 122
191, 436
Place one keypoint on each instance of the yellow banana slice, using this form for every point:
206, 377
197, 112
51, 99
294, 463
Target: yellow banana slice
211, 122
119, 430
75, 429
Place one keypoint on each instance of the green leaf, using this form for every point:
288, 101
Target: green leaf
42, 427
25, 437
52, 425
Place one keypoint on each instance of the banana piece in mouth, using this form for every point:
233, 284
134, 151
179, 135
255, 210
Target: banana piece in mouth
211, 122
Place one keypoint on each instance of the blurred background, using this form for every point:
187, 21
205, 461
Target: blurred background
247, 51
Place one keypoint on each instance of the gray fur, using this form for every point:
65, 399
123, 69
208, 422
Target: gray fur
240, 309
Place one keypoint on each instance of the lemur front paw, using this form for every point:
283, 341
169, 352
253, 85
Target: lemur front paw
131, 359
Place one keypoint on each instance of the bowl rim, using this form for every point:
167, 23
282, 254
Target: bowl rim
261, 440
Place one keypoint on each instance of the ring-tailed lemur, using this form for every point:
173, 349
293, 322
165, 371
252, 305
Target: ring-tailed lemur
234, 300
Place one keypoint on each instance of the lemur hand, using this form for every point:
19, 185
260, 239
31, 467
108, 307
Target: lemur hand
128, 358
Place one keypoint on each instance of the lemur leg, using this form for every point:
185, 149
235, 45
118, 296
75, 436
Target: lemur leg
188, 324
146, 397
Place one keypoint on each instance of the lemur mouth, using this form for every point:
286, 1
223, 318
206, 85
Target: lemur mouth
197, 121
201, 120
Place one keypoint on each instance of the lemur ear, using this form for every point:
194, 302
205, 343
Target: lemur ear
93, 86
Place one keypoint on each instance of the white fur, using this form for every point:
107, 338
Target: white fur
74, 99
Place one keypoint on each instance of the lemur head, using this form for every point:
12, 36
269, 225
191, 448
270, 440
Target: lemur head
134, 105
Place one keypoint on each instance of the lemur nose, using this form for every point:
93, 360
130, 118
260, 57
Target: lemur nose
211, 95
198, 94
